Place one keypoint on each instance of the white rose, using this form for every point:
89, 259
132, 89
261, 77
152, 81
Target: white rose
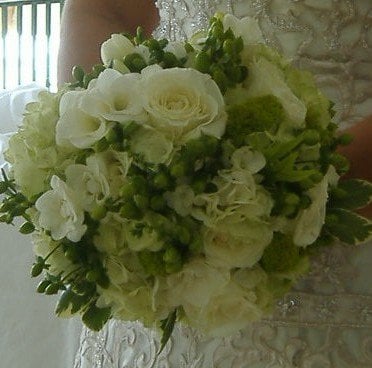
195, 284
236, 241
116, 48
228, 312
88, 181
182, 102
60, 212
248, 28
114, 96
153, 145
310, 221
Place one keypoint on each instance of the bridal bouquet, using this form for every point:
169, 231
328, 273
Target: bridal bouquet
184, 181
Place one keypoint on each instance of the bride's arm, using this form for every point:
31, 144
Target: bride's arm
359, 153
87, 23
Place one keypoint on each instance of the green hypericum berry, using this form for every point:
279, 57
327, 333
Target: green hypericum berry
161, 181
158, 203
37, 269
127, 190
179, 169
52, 289
170, 60
311, 137
42, 286
344, 139
340, 162
98, 212
141, 201
292, 199
93, 275
78, 73
131, 211
27, 228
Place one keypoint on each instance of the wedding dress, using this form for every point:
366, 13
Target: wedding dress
327, 320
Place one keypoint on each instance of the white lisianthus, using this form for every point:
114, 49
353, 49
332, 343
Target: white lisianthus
195, 284
88, 181
76, 127
114, 96
247, 28
61, 212
237, 241
310, 221
116, 48
152, 145
183, 103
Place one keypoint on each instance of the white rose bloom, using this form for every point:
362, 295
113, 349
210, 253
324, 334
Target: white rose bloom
236, 241
310, 221
248, 28
153, 145
226, 313
182, 102
60, 212
89, 181
114, 97
116, 48
195, 284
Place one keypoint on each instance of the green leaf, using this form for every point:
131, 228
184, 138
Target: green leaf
351, 194
347, 226
95, 318
69, 299
167, 326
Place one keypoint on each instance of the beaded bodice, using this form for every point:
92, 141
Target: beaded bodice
327, 320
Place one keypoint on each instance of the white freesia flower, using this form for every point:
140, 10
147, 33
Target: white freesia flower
89, 181
153, 145
114, 96
182, 102
247, 28
237, 241
310, 221
116, 48
265, 78
60, 212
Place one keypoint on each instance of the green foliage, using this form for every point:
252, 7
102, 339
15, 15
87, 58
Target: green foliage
347, 226
167, 326
95, 318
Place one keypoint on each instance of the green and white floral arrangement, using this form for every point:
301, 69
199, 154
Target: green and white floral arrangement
181, 181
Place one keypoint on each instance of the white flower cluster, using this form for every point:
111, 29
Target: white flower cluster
219, 279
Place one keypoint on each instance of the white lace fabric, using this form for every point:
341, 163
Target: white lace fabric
327, 321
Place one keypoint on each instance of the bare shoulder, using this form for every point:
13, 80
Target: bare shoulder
87, 23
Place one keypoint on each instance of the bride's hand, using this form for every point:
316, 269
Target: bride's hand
359, 153
86, 24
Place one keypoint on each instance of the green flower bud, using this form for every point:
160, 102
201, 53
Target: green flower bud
113, 135
292, 199
228, 47
189, 48
87, 79
27, 228
141, 201
42, 286
179, 169
183, 235
72, 254
135, 62
98, 212
340, 162
78, 73
196, 246
93, 275
170, 60
52, 289
344, 139
158, 203
97, 70
203, 62
311, 137
163, 43
161, 181
127, 190
130, 211
37, 269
